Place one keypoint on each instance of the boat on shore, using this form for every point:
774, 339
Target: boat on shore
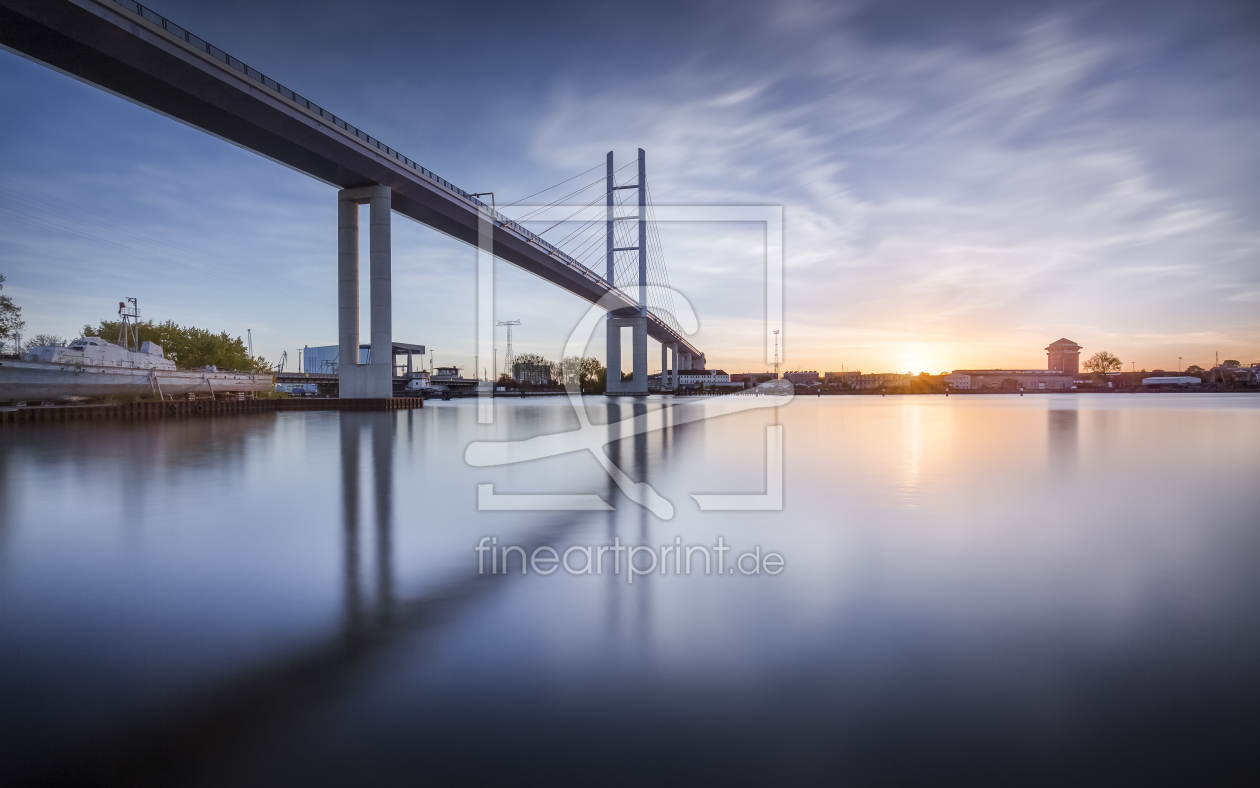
96, 367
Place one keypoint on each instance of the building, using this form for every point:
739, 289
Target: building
840, 378
307, 384
1009, 380
533, 374
1064, 355
1171, 380
448, 379
325, 359
1234, 373
705, 376
880, 380
801, 378
752, 377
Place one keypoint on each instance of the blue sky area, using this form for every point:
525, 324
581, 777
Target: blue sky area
963, 183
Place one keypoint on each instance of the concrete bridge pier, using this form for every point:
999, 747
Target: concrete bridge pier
669, 366
375, 379
637, 385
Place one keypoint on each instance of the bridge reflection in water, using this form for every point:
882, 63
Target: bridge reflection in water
217, 724
937, 597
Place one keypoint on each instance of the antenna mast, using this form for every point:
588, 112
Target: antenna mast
507, 360
776, 354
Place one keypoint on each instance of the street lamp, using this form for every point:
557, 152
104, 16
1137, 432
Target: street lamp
1178, 365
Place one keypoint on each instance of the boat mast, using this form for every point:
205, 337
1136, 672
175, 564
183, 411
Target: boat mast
128, 330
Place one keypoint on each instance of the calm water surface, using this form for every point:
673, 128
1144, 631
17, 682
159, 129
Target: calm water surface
983, 590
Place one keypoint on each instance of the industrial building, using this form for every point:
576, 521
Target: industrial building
319, 367
807, 378
1009, 380
326, 358
1063, 358
879, 380
533, 374
840, 378
1171, 380
1234, 373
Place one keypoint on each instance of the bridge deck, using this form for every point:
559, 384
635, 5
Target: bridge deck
136, 54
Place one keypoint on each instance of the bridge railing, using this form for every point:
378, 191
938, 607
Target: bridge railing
499, 219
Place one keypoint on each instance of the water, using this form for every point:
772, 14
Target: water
992, 589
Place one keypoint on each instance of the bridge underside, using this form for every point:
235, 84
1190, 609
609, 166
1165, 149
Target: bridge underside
101, 43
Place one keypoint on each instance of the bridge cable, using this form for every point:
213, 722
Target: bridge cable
549, 188
561, 183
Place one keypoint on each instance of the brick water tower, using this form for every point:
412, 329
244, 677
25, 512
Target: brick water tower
1064, 356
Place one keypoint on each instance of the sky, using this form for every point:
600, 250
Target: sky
962, 183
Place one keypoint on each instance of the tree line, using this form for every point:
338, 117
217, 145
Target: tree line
1103, 363
10, 315
587, 372
188, 346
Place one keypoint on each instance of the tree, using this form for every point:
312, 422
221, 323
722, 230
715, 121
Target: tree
39, 340
11, 320
570, 370
584, 372
188, 347
530, 358
1196, 370
1229, 362
592, 370
1103, 362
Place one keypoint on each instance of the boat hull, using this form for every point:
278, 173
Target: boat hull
35, 380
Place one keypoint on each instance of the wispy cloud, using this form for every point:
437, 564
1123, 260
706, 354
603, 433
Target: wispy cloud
987, 182
931, 185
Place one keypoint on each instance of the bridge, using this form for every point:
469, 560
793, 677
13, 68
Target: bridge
131, 51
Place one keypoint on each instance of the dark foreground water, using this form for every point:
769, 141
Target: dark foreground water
1045, 590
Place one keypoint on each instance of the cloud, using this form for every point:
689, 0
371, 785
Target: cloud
933, 184
998, 177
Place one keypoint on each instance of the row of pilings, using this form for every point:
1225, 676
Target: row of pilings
185, 408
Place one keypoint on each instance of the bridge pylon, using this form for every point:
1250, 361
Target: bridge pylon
637, 385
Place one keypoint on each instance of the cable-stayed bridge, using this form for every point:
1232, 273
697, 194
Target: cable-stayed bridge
129, 50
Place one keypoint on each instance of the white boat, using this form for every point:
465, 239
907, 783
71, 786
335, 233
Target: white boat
94, 367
